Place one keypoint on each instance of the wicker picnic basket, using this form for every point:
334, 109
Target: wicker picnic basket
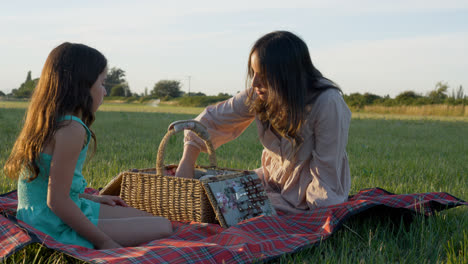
179, 199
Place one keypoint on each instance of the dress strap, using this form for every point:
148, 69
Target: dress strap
77, 119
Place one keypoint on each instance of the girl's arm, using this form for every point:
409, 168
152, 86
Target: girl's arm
68, 144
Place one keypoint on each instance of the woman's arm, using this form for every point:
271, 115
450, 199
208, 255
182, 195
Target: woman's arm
329, 165
224, 121
187, 162
68, 143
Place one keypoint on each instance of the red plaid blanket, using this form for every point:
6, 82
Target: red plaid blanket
260, 238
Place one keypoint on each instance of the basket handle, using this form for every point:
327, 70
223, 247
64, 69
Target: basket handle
198, 128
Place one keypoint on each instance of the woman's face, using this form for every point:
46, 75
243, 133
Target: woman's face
98, 91
258, 80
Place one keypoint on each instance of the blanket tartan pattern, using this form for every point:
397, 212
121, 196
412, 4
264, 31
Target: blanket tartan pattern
254, 240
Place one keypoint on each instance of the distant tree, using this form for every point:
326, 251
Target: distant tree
370, 98
224, 94
28, 77
165, 89
460, 93
118, 90
355, 100
407, 98
26, 89
116, 76
126, 89
439, 93
385, 101
2, 93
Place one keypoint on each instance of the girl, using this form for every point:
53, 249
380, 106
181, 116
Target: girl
48, 157
302, 122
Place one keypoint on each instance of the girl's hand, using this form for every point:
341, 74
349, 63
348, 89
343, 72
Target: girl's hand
109, 200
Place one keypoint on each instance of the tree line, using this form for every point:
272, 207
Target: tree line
440, 95
117, 86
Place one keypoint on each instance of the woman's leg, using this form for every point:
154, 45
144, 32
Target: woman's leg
130, 227
134, 231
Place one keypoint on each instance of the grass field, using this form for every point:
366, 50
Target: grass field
402, 154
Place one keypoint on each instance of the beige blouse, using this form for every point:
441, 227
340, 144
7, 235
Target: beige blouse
316, 175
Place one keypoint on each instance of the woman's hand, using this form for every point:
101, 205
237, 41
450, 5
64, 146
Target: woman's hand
107, 199
186, 168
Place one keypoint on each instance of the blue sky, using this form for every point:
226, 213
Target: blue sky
382, 47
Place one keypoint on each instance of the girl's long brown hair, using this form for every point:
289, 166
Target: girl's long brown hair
64, 87
291, 79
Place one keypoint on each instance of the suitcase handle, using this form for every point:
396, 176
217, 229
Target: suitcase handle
198, 128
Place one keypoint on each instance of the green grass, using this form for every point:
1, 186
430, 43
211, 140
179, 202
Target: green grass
398, 153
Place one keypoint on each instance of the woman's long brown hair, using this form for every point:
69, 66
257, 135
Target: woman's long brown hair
291, 79
64, 87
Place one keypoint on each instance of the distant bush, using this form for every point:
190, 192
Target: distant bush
438, 96
191, 101
118, 90
201, 101
167, 89
357, 100
130, 99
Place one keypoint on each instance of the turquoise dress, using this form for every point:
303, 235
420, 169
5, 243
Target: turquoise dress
32, 199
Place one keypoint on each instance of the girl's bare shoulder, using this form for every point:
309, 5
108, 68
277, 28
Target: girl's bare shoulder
70, 130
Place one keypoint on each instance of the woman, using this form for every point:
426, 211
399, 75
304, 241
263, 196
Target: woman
302, 122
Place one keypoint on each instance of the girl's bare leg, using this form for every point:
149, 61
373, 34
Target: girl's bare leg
134, 231
130, 227
109, 212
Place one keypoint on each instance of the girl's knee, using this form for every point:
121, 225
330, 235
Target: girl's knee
164, 226
168, 227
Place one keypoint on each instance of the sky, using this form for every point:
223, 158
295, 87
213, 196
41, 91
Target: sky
383, 47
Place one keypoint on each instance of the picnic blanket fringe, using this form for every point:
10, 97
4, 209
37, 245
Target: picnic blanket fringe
258, 239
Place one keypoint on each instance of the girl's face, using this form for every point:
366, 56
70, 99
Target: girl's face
258, 80
98, 91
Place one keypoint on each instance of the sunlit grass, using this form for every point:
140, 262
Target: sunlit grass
420, 110
397, 153
370, 115
14, 104
140, 107
122, 107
